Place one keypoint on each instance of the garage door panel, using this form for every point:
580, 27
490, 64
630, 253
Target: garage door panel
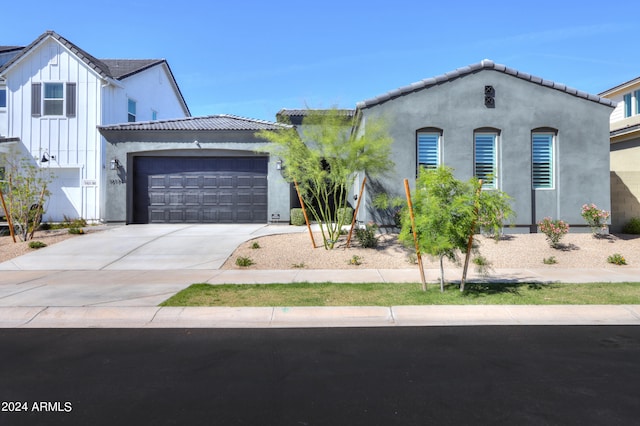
209, 198
200, 190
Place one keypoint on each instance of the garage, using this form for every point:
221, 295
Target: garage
200, 189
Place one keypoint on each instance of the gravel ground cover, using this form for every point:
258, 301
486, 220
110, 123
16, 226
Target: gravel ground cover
291, 251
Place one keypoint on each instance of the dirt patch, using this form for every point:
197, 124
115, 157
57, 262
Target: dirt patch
9, 249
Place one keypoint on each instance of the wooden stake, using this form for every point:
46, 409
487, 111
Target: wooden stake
355, 213
304, 212
415, 236
6, 212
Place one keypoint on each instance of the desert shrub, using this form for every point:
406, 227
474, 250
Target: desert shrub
632, 227
355, 260
244, 261
550, 260
76, 231
367, 235
345, 215
617, 259
36, 244
297, 217
553, 229
595, 218
255, 245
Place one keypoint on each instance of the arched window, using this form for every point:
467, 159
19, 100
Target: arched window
429, 147
485, 167
543, 141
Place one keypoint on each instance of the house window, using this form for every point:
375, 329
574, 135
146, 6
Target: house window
627, 105
53, 101
428, 149
636, 95
542, 160
3, 97
131, 111
485, 162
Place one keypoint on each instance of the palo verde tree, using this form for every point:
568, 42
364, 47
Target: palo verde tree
25, 189
448, 211
325, 159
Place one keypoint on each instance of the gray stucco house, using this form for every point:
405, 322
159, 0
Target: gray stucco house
543, 143
193, 170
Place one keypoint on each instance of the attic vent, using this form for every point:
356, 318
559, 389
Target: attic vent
489, 97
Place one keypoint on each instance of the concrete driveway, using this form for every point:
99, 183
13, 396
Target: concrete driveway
145, 247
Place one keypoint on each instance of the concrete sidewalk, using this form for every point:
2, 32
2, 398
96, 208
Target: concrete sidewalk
120, 299
118, 277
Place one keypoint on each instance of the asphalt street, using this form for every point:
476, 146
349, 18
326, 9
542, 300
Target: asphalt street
498, 375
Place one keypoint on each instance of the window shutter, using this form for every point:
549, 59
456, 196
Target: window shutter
428, 150
485, 159
36, 99
71, 99
542, 167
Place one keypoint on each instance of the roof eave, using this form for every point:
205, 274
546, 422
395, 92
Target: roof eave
485, 64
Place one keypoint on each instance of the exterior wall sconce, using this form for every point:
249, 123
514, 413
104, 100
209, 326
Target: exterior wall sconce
114, 164
279, 165
46, 157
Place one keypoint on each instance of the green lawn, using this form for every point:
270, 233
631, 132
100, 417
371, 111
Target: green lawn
378, 294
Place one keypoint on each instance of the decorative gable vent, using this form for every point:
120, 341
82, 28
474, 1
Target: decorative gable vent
489, 97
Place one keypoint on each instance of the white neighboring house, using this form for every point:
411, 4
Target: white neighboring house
53, 97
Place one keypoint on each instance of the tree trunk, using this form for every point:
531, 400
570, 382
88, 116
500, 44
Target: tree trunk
441, 274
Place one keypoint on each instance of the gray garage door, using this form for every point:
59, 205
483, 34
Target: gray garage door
200, 190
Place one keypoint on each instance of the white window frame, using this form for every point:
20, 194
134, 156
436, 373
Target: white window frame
489, 180
433, 159
131, 116
628, 105
548, 151
50, 101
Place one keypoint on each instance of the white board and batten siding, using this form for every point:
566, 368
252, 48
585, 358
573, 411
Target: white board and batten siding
72, 142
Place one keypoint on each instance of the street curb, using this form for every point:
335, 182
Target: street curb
314, 317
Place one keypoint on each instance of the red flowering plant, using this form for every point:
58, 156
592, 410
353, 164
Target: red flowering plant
595, 218
553, 229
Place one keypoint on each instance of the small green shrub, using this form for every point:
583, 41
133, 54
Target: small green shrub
255, 245
632, 227
355, 260
299, 265
617, 259
244, 261
549, 260
345, 215
367, 235
76, 231
483, 266
36, 244
297, 217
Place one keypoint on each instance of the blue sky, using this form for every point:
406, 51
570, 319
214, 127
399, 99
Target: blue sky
252, 58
